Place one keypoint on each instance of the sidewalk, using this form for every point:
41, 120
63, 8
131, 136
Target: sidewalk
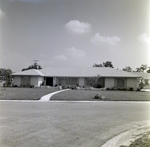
47, 97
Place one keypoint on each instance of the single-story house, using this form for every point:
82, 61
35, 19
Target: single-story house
70, 76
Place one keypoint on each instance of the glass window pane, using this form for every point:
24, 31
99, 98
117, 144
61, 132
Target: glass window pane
67, 81
73, 81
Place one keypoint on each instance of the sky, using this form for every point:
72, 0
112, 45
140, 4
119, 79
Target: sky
74, 33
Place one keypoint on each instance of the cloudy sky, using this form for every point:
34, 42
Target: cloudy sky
74, 33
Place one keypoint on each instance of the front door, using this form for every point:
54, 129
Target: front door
49, 81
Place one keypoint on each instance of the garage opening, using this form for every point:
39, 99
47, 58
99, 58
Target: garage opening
49, 81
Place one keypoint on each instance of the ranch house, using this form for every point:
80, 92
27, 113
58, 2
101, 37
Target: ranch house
70, 76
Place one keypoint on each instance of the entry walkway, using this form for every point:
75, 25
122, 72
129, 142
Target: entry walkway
47, 97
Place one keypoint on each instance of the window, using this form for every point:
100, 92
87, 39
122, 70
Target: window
68, 81
87, 82
120, 82
61, 81
73, 81
25, 81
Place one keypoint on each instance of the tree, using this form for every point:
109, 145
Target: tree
97, 65
5, 76
105, 64
128, 69
142, 68
148, 71
108, 64
34, 66
94, 81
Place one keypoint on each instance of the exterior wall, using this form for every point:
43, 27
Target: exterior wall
109, 82
54, 81
132, 82
81, 82
17, 80
34, 81
40, 81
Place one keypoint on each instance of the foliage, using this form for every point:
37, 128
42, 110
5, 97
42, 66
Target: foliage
143, 68
128, 69
105, 64
94, 81
97, 65
34, 66
141, 84
148, 71
5, 76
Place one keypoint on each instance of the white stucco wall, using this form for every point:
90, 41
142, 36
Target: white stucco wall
132, 82
81, 81
109, 82
34, 80
17, 80
40, 80
54, 81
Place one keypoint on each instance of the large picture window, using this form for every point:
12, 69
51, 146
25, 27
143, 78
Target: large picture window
68, 81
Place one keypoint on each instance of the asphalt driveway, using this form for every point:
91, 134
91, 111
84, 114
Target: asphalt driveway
67, 124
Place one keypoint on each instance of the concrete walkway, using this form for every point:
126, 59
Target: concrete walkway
47, 97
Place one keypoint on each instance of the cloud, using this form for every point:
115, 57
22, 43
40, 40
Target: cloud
77, 53
60, 57
144, 38
77, 27
97, 39
2, 14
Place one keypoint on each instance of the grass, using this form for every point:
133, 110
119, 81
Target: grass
88, 95
71, 95
143, 141
24, 93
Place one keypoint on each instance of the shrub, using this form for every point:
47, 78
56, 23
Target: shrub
131, 89
141, 85
97, 86
108, 88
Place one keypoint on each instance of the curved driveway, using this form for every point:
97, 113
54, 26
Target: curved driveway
68, 124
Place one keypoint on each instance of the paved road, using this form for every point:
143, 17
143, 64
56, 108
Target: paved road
67, 124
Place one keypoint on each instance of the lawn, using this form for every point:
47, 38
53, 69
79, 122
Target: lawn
24, 93
71, 95
88, 95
